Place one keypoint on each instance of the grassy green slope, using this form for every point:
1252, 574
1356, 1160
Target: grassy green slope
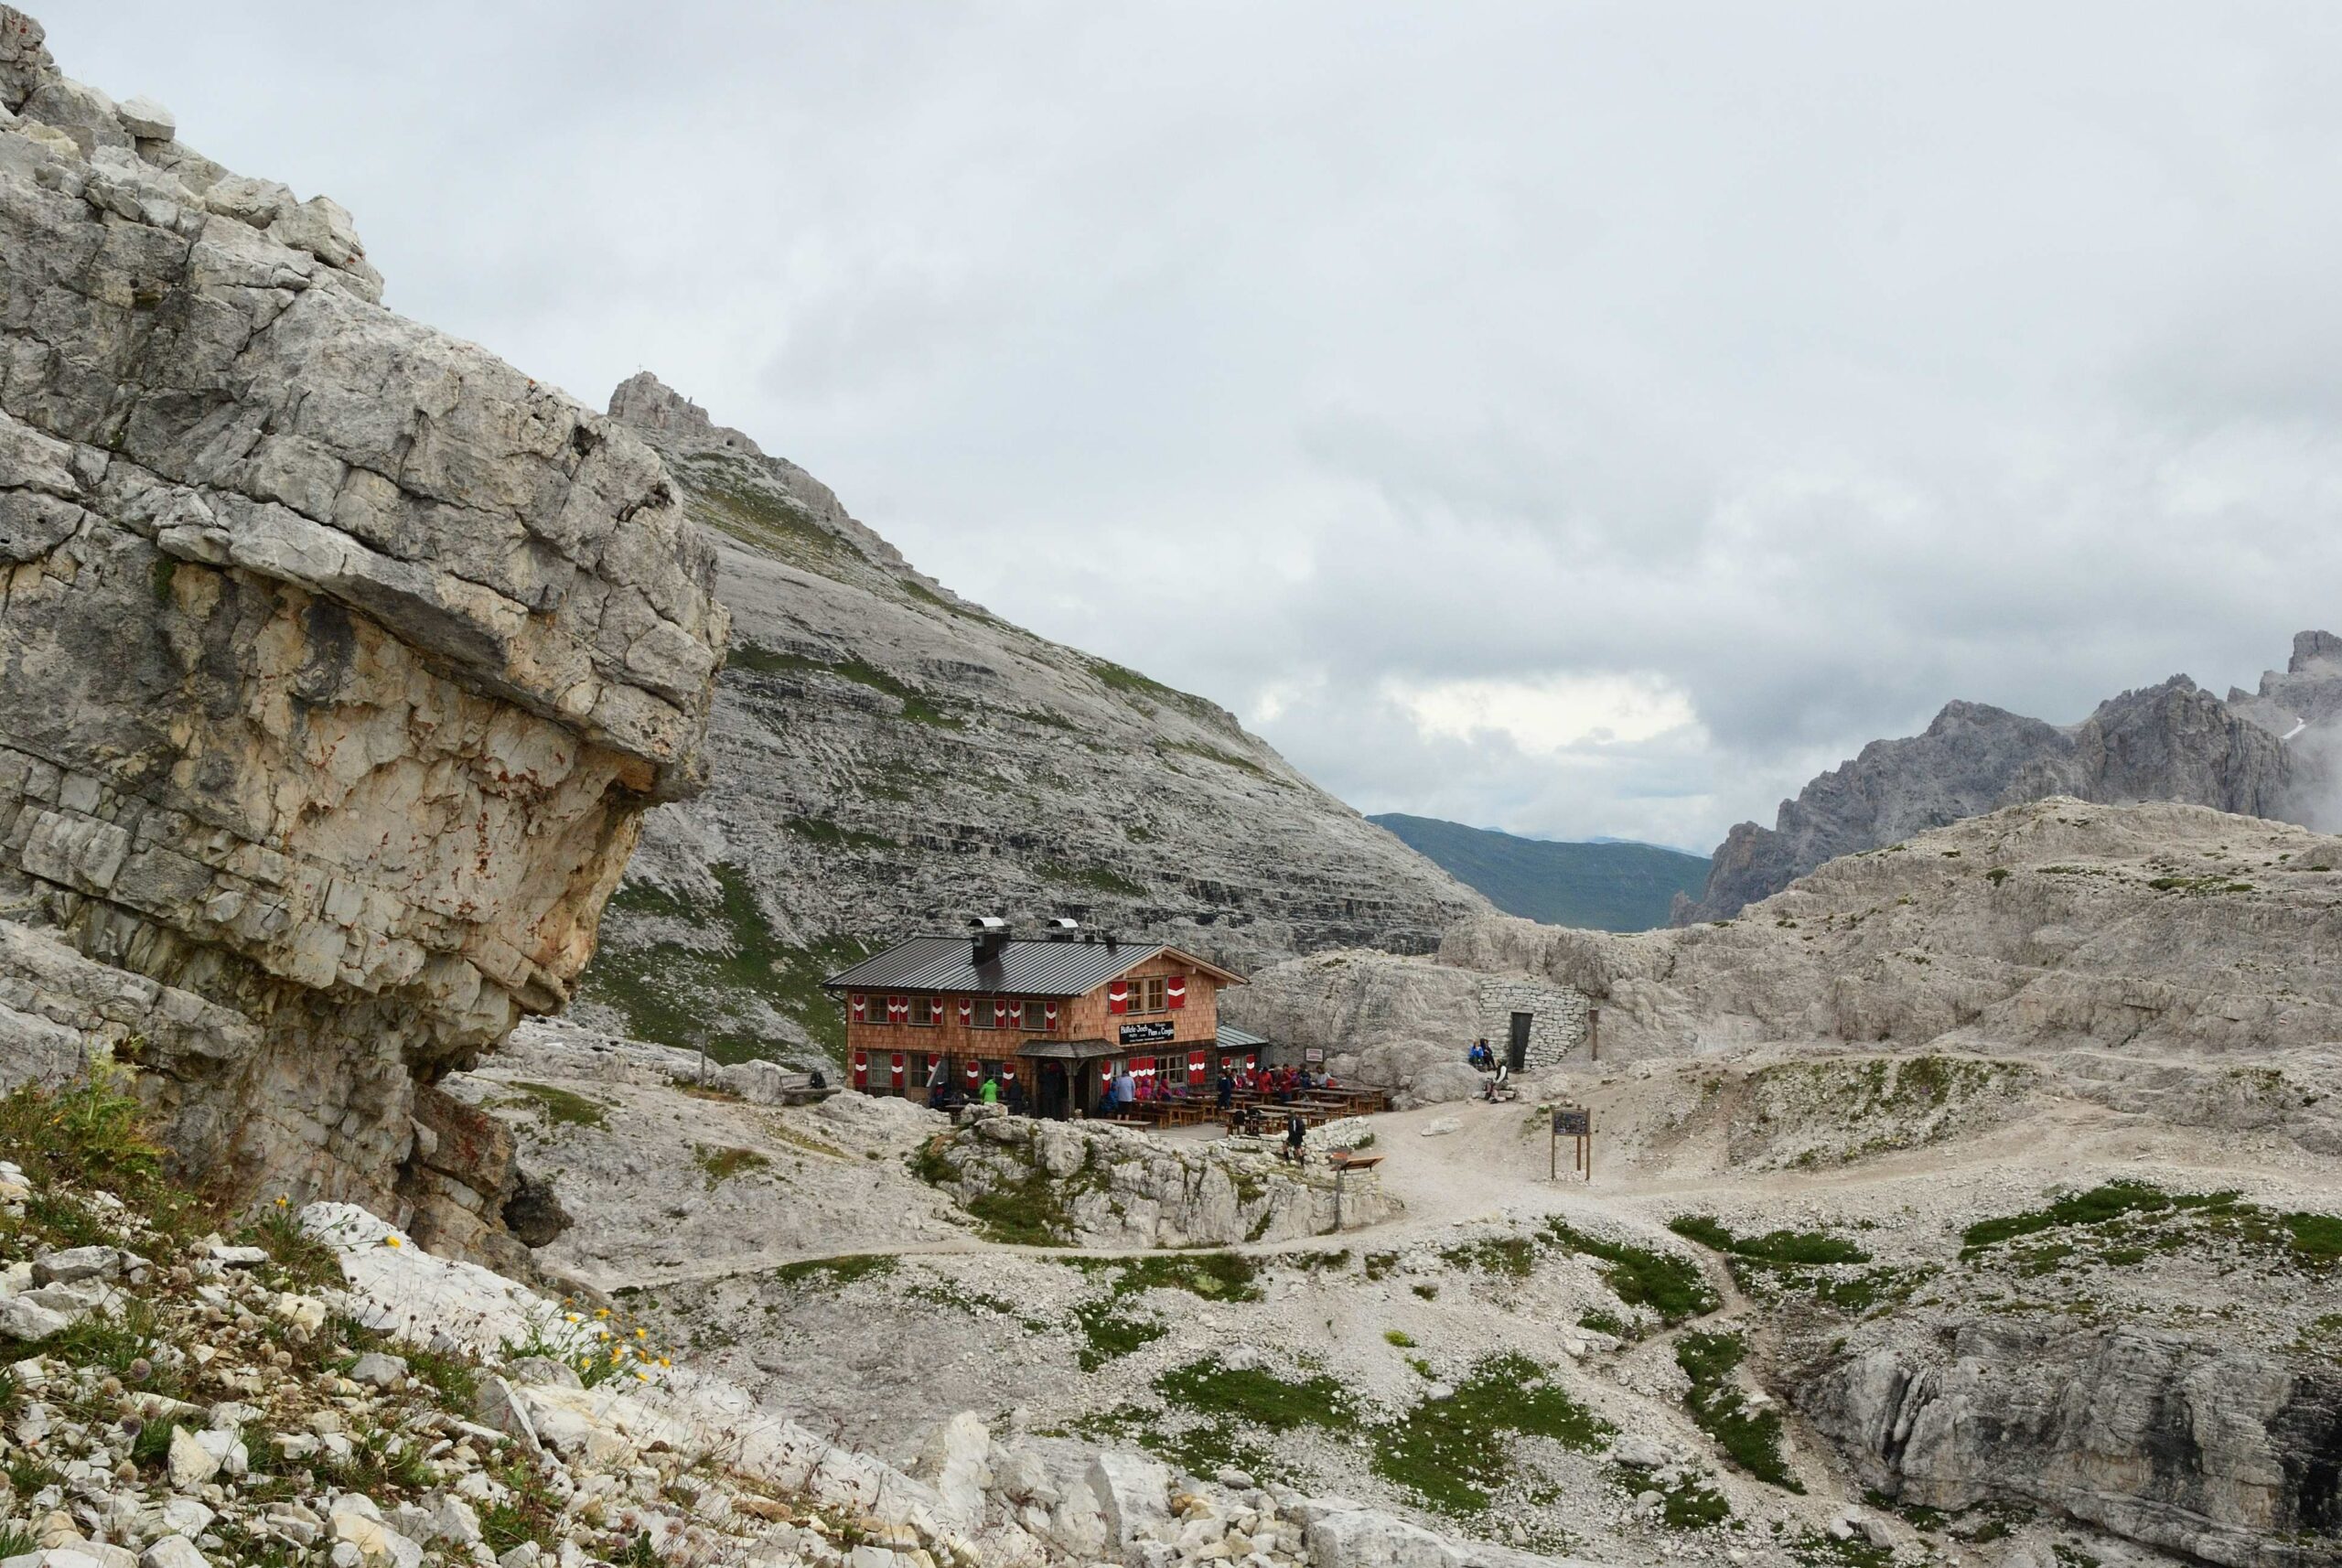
1605, 887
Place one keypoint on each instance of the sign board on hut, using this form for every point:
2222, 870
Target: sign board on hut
1312, 1053
1145, 1034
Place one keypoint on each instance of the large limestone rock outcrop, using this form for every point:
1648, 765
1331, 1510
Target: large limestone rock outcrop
339, 660
2225, 1455
2050, 925
1105, 1187
1399, 1023
2171, 742
891, 757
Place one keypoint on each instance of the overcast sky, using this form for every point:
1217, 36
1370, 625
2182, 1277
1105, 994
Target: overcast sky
1580, 419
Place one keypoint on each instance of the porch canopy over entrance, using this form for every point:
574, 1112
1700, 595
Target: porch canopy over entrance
1071, 1050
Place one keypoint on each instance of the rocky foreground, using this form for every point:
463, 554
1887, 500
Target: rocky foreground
321, 1390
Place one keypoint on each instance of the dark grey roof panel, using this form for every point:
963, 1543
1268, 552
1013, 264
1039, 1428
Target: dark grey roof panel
1069, 1050
1022, 968
1232, 1038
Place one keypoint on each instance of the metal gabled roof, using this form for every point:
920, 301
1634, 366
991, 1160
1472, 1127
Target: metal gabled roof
1022, 968
1231, 1037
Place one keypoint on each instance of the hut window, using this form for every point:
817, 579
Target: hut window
1147, 995
1037, 1016
926, 1012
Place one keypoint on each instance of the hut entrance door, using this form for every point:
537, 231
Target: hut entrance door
1518, 1055
1052, 1101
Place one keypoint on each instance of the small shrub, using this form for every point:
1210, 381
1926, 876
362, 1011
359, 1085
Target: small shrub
1401, 1337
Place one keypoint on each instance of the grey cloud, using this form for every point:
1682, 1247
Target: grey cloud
1826, 361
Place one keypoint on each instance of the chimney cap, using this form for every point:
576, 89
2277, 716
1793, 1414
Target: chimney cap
987, 923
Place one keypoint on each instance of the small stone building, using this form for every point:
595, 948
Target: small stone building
1532, 1025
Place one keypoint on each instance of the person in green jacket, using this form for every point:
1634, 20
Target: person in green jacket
990, 1093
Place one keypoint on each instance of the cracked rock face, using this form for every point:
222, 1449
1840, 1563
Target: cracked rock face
341, 658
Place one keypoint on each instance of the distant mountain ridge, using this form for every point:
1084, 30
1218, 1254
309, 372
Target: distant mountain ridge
2264, 754
1605, 884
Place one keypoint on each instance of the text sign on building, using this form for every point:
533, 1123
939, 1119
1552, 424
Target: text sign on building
1145, 1034
1312, 1053
1570, 1122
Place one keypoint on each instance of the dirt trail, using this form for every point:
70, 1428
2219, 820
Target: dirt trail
1489, 1165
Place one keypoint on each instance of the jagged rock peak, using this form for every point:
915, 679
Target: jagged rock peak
2173, 741
2315, 652
341, 663
650, 405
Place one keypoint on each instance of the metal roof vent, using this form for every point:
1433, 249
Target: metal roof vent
1064, 929
990, 938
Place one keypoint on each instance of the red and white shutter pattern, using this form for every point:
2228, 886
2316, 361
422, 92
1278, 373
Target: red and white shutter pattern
858, 1009
1049, 1014
860, 1070
895, 1073
975, 1073
1003, 1014
1194, 1066
934, 1006
1118, 997
1176, 992
967, 1011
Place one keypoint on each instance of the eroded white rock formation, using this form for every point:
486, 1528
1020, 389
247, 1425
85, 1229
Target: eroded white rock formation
340, 658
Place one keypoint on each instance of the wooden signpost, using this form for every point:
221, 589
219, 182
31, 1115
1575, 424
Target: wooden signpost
1574, 1122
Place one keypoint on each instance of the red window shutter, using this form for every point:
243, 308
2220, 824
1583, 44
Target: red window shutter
860, 1070
1008, 1072
898, 1070
1194, 1066
1000, 1013
1050, 1014
899, 1011
934, 1006
967, 1010
1177, 992
975, 1073
857, 1008
1118, 997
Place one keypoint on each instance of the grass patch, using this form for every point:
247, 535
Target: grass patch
559, 1105
2113, 1200
1750, 1436
1514, 1255
1225, 758
1399, 1337
1030, 1213
1671, 1287
692, 998
1107, 1332
834, 1274
1773, 1247
721, 1165
1257, 1397
1097, 878
1450, 1453
1217, 1276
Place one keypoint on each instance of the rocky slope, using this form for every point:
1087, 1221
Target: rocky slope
322, 1390
890, 757
2155, 932
339, 663
2262, 756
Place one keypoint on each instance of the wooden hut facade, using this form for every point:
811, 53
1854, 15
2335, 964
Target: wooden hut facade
1053, 1020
